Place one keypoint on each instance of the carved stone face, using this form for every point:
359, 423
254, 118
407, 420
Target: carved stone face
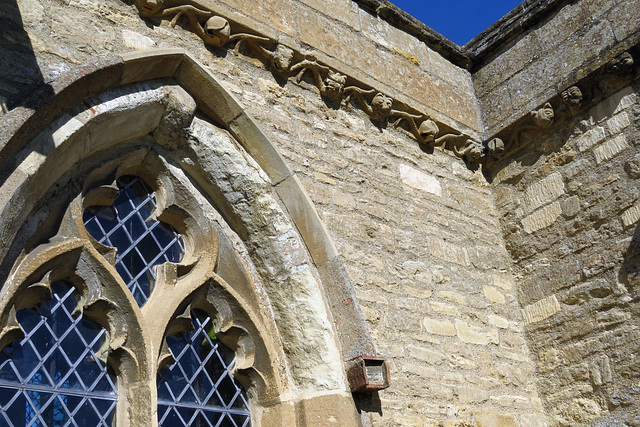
495, 147
544, 116
218, 31
573, 97
151, 7
334, 85
381, 106
428, 130
622, 65
474, 150
282, 58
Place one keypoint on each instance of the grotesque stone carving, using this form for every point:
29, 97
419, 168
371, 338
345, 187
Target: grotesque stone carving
218, 31
523, 132
378, 108
622, 65
495, 147
332, 87
615, 72
282, 58
213, 30
544, 116
461, 145
425, 132
573, 98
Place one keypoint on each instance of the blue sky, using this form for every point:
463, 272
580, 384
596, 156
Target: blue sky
458, 20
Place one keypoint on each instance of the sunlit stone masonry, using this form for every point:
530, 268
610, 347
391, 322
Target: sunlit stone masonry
318, 213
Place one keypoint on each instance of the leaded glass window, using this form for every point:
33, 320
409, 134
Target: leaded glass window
129, 225
198, 390
54, 376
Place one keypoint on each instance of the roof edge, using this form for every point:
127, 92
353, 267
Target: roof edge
521, 19
472, 55
410, 25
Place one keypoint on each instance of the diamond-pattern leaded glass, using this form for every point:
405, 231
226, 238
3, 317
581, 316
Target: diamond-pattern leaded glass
129, 225
198, 390
53, 376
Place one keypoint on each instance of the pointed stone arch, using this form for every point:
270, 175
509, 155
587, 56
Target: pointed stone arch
162, 115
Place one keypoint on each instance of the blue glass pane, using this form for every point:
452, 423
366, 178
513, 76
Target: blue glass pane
49, 377
198, 390
142, 242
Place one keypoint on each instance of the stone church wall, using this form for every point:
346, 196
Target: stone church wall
442, 256
567, 194
560, 47
420, 237
570, 219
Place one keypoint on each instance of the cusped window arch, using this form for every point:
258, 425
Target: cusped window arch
241, 261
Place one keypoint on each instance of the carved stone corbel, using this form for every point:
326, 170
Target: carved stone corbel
573, 98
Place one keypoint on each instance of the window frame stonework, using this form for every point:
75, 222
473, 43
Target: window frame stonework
235, 270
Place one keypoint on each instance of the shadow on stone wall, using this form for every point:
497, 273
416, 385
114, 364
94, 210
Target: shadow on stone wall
366, 404
20, 74
629, 273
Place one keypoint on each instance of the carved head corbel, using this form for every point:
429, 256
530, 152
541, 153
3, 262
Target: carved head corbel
472, 151
622, 65
151, 7
496, 147
428, 130
573, 98
282, 58
544, 116
217, 30
334, 85
381, 106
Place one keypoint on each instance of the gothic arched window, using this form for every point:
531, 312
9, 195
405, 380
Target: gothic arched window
59, 374
180, 247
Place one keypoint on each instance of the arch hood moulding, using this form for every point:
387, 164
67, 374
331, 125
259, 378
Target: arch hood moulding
118, 109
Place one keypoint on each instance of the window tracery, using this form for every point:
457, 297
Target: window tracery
198, 389
112, 218
142, 242
55, 373
236, 268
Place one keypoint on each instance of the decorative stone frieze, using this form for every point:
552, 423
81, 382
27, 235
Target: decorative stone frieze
567, 103
334, 86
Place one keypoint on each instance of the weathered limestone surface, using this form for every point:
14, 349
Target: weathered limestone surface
379, 54
502, 297
577, 261
567, 45
421, 242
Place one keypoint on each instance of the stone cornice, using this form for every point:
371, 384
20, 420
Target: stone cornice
577, 96
288, 61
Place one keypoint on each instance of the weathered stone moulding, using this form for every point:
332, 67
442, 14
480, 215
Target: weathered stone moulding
331, 84
570, 100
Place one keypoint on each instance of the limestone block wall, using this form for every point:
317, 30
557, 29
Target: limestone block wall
567, 44
418, 231
422, 243
570, 207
